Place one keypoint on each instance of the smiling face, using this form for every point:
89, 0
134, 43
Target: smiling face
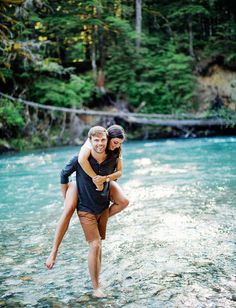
99, 142
115, 143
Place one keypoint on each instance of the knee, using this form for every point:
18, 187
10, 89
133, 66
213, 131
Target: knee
95, 245
124, 203
69, 210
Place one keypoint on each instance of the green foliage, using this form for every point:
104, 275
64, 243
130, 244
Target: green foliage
5, 72
222, 42
72, 93
120, 26
20, 144
164, 81
120, 70
228, 115
7, 29
189, 10
49, 50
36, 141
10, 114
51, 66
223, 113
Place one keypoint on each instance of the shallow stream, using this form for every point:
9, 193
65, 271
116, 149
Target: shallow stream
173, 247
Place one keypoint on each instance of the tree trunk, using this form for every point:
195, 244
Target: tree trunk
190, 27
100, 37
93, 55
100, 76
138, 22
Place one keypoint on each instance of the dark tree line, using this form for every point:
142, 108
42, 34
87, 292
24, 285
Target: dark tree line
140, 55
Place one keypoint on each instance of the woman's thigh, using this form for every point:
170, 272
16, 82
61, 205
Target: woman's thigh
71, 199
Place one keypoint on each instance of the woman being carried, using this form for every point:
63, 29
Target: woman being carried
116, 137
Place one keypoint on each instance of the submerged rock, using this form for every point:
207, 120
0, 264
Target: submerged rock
233, 298
202, 263
26, 278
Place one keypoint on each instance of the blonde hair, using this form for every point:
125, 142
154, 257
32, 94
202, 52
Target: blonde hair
96, 130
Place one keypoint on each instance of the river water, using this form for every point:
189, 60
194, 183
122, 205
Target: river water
173, 247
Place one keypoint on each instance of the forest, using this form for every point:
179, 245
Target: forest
148, 57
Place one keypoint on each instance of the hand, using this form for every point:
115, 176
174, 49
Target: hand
98, 180
99, 187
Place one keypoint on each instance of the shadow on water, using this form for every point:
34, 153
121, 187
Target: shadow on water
173, 247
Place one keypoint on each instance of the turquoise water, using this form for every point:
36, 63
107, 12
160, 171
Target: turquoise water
173, 247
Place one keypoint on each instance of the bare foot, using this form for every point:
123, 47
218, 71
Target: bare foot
51, 260
98, 293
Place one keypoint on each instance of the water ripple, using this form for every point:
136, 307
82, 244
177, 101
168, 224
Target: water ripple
173, 247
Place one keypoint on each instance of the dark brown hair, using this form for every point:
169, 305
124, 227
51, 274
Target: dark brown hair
115, 131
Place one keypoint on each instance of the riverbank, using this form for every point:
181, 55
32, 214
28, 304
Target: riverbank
36, 126
134, 131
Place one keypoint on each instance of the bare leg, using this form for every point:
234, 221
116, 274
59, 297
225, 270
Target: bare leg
99, 265
94, 264
119, 199
63, 223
